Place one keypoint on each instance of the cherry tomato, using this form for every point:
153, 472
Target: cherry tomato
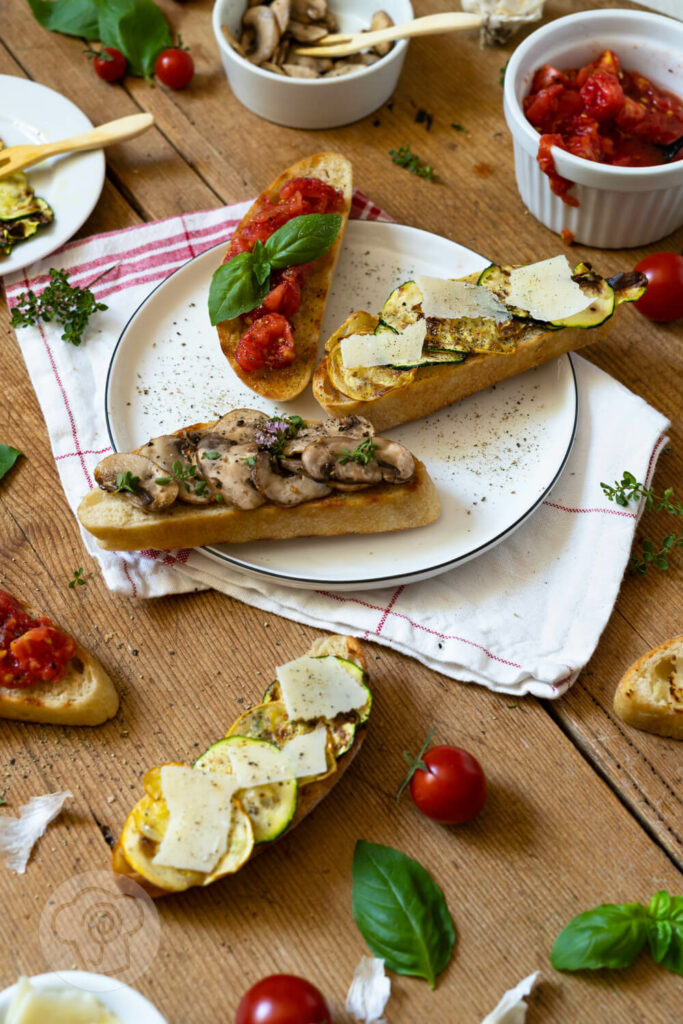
175, 67
283, 999
269, 342
110, 68
453, 789
663, 300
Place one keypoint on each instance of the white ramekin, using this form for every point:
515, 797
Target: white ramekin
314, 103
619, 207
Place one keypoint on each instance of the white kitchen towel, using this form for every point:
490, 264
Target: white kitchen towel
523, 618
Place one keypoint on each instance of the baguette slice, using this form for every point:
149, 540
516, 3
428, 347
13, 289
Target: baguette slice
285, 384
84, 696
650, 694
309, 796
437, 386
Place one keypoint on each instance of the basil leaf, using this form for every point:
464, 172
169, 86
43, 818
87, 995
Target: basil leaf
302, 239
260, 262
138, 29
665, 930
8, 456
72, 17
234, 289
401, 912
611, 935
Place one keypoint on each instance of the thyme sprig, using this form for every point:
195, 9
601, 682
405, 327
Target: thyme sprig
628, 490
185, 475
126, 482
68, 305
364, 453
77, 580
276, 432
403, 157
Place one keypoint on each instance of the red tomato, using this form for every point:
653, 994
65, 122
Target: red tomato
269, 343
42, 652
283, 999
316, 195
663, 300
453, 789
174, 67
110, 68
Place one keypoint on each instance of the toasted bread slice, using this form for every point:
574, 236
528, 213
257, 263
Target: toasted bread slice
285, 384
435, 387
84, 696
650, 694
309, 796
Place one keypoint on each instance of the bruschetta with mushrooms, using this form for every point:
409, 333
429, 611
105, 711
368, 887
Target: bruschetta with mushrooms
253, 477
196, 824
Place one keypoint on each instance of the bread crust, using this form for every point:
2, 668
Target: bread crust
309, 797
84, 696
118, 525
437, 386
650, 693
288, 382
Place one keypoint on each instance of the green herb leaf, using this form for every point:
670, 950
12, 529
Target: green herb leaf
71, 307
211, 455
261, 264
72, 17
501, 76
665, 931
162, 480
77, 578
250, 460
405, 158
126, 482
458, 127
8, 456
302, 239
138, 29
364, 453
611, 935
401, 912
3, 801
234, 289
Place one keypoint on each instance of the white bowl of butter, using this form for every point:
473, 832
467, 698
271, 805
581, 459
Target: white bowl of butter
75, 997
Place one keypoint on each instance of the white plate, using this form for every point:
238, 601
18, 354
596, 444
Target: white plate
71, 184
127, 1004
493, 456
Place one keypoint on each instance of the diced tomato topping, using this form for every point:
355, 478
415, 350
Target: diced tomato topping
603, 113
32, 650
316, 195
268, 344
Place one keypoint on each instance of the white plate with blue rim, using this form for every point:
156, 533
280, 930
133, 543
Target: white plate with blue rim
71, 184
127, 1005
494, 457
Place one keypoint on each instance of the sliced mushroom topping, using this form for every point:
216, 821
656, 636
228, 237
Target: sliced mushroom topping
226, 467
135, 478
398, 464
333, 459
351, 426
175, 454
264, 24
285, 491
240, 425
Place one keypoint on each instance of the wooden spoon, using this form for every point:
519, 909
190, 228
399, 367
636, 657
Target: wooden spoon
341, 44
16, 158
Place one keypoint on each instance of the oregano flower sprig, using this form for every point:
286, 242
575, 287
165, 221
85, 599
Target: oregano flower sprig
241, 284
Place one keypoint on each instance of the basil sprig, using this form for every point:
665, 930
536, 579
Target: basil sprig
242, 283
401, 911
612, 935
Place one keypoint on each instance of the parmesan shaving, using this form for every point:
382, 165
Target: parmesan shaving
19, 835
546, 290
512, 1007
369, 991
452, 300
384, 349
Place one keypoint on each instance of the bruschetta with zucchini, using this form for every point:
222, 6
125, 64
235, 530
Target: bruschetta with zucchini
436, 341
198, 823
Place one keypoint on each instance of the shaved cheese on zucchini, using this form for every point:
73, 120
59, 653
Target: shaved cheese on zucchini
201, 811
306, 753
453, 300
319, 688
258, 763
385, 348
546, 290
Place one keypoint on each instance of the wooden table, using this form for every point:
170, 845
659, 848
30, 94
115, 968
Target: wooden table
582, 809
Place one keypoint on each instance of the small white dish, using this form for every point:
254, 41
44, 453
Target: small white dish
620, 207
309, 103
127, 1004
71, 184
493, 456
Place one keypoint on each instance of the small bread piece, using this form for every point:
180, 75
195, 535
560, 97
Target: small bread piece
288, 382
435, 387
84, 696
650, 694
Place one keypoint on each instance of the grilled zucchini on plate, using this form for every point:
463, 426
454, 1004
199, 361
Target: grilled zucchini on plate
197, 824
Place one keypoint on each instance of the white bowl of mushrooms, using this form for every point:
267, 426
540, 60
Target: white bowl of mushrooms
257, 41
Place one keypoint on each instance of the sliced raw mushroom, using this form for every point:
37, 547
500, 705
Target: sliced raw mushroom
174, 453
226, 467
381, 19
239, 425
305, 62
307, 11
306, 33
285, 491
282, 11
238, 45
281, 55
135, 478
264, 24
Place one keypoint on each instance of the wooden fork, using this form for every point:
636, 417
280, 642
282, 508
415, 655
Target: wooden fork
16, 158
341, 44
